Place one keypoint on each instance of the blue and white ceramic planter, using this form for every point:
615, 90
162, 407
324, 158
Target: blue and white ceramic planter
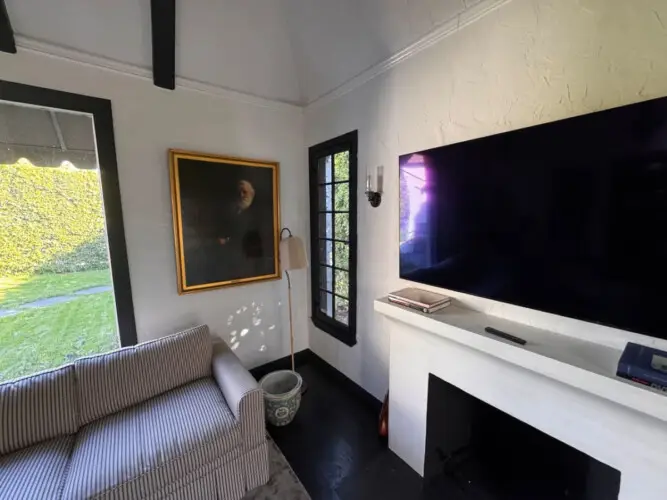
282, 396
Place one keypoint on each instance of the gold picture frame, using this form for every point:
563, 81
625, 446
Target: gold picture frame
226, 217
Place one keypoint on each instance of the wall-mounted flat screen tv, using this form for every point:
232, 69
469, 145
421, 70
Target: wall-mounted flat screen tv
568, 217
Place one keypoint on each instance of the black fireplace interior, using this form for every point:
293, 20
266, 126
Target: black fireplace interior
475, 451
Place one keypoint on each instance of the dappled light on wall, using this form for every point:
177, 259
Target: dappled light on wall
245, 328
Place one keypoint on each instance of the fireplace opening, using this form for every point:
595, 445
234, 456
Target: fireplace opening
475, 451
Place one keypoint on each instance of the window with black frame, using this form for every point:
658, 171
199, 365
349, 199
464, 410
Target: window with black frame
65, 286
333, 221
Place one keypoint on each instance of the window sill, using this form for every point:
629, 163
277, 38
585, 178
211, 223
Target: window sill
345, 335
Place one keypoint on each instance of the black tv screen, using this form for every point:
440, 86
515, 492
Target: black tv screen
568, 217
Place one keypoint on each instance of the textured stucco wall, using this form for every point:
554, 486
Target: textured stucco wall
528, 62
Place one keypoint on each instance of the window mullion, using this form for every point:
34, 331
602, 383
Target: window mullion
333, 243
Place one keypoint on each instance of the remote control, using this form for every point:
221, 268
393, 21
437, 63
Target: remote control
504, 335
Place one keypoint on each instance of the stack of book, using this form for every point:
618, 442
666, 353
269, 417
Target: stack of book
421, 300
644, 365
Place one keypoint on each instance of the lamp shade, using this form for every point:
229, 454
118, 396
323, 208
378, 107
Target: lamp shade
292, 254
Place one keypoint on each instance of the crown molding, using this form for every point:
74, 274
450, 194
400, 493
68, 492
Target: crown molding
84, 58
465, 18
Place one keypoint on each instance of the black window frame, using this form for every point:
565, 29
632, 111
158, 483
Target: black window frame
100, 109
347, 142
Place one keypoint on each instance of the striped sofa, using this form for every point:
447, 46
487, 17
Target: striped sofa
178, 417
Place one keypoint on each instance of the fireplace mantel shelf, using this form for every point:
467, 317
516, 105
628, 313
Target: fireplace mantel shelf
584, 365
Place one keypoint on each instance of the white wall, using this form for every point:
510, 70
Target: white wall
529, 62
148, 121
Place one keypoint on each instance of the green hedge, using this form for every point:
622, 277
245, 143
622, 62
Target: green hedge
51, 220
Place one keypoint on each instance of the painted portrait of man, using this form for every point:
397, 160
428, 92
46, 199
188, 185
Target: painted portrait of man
226, 216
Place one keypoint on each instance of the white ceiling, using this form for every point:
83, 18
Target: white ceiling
287, 50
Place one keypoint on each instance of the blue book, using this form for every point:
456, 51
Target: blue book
645, 365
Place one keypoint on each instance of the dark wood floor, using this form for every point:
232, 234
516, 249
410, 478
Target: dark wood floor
333, 447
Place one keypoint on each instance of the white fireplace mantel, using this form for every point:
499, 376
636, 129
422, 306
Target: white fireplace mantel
561, 385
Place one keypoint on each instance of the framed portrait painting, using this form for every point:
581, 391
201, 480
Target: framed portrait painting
226, 220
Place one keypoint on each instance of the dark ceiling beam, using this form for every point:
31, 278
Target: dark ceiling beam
163, 25
7, 43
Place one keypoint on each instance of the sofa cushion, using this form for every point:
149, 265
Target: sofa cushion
180, 421
37, 471
107, 453
108, 383
177, 359
111, 382
157, 443
37, 408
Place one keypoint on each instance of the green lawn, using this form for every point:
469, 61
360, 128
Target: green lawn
46, 337
16, 291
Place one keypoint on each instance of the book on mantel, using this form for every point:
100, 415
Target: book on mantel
421, 300
644, 365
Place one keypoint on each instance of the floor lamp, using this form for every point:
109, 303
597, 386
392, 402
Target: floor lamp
292, 257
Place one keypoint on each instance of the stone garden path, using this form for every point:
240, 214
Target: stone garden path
54, 300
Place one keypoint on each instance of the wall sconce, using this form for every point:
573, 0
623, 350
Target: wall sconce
375, 196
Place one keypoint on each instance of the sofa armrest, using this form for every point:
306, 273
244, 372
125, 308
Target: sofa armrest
242, 393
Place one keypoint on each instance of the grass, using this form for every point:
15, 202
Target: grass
41, 338
16, 291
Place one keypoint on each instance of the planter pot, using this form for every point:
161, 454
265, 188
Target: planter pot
282, 396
